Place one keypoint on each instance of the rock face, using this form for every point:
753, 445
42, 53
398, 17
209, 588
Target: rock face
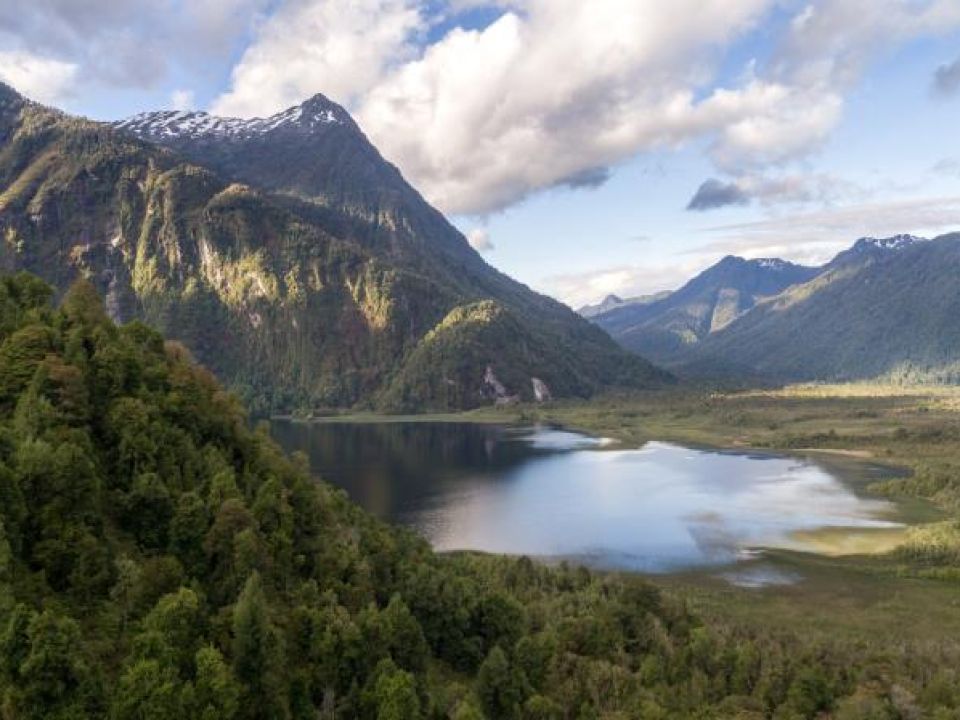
541, 393
360, 293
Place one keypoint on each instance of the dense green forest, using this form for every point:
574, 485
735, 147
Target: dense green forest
293, 304
159, 558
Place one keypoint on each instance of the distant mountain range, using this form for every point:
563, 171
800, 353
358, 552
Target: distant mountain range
289, 257
884, 308
611, 302
667, 326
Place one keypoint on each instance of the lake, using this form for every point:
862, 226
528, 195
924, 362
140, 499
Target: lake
551, 493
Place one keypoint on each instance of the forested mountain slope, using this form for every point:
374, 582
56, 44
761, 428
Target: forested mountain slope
671, 326
364, 296
160, 559
888, 310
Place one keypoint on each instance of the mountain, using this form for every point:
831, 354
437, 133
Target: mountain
611, 302
289, 257
870, 248
608, 303
885, 308
314, 151
667, 328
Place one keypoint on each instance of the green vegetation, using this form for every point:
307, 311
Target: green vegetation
891, 314
888, 314
336, 302
160, 559
666, 328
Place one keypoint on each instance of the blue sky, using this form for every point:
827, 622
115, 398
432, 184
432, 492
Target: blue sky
567, 139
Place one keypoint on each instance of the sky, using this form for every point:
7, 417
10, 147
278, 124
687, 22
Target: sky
584, 147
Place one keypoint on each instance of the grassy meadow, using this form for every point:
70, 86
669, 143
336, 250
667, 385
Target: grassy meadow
904, 581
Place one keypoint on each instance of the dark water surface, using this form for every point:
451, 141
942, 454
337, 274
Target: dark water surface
548, 492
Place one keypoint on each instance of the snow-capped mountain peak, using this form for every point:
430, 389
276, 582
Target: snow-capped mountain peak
771, 263
897, 242
315, 113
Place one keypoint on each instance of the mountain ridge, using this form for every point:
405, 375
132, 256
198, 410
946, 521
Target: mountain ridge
884, 308
292, 301
705, 304
890, 312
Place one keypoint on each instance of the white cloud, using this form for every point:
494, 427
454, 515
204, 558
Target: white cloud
548, 93
182, 100
557, 90
579, 289
816, 236
808, 238
39, 78
554, 92
338, 47
479, 240
778, 189
133, 43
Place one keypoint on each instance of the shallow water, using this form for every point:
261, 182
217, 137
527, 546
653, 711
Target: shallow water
551, 493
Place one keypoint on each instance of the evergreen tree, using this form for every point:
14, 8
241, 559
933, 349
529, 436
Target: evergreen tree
500, 687
258, 660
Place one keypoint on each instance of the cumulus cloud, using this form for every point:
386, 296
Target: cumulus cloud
39, 78
339, 47
130, 44
556, 92
713, 194
559, 92
814, 236
579, 289
946, 80
479, 240
551, 93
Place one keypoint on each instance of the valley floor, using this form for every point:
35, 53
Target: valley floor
908, 592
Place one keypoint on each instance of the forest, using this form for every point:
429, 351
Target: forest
161, 558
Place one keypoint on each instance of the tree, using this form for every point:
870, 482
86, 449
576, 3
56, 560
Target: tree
149, 511
466, 710
6, 563
216, 694
809, 692
539, 707
148, 690
500, 687
404, 636
124, 591
178, 619
15, 642
187, 530
258, 654
13, 508
54, 679
91, 573
231, 519
501, 620
396, 696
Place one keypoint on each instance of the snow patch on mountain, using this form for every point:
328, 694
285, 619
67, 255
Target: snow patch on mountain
772, 263
170, 124
897, 242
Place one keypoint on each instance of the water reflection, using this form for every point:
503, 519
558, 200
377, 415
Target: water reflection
548, 492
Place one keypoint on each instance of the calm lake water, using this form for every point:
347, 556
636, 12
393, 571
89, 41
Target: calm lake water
551, 493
